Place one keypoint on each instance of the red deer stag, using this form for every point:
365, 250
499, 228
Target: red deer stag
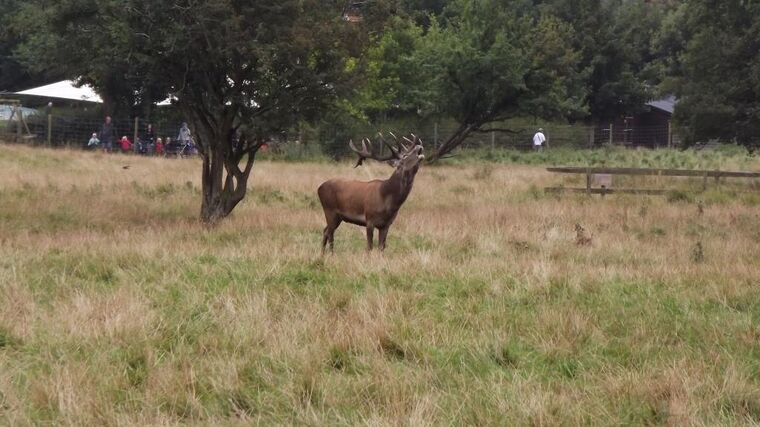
372, 204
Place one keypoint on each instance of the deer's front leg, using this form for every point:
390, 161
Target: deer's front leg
383, 233
370, 236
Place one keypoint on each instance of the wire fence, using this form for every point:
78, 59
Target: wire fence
73, 132
55, 130
335, 139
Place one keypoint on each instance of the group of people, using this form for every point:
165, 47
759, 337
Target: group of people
148, 144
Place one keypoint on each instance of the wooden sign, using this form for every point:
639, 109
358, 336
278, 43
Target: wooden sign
601, 180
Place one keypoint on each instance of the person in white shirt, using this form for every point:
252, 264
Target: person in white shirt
538, 140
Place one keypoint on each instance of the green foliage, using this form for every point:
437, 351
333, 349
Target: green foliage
715, 69
6, 339
614, 39
384, 73
208, 54
729, 159
91, 42
474, 62
491, 61
488, 63
13, 76
241, 72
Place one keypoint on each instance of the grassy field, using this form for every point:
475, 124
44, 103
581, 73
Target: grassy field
488, 308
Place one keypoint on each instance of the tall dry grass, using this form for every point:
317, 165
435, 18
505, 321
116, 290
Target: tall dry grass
117, 307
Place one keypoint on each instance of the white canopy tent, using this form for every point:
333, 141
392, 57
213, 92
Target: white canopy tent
64, 90
67, 89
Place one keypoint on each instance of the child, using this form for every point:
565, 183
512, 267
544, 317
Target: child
126, 144
93, 142
159, 147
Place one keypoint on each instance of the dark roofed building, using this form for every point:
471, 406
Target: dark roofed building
649, 128
667, 104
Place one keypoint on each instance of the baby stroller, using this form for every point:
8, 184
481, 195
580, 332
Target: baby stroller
183, 146
180, 149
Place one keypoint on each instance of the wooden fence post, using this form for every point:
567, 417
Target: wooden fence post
134, 141
20, 117
435, 135
50, 130
670, 134
611, 140
588, 181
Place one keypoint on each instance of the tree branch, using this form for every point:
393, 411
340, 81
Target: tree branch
504, 130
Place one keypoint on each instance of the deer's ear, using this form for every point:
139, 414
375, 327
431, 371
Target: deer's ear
394, 163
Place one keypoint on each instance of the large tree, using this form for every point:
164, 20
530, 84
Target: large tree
87, 41
714, 68
14, 75
240, 70
613, 38
493, 60
243, 71
382, 74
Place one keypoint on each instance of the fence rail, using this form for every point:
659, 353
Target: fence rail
656, 172
605, 175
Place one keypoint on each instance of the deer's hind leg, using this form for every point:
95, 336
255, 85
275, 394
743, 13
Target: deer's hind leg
325, 238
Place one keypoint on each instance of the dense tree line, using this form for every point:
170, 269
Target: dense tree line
243, 70
14, 75
573, 60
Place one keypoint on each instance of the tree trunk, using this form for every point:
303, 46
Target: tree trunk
222, 146
224, 184
454, 141
147, 108
109, 105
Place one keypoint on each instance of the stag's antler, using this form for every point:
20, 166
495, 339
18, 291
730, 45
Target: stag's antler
396, 150
366, 153
401, 145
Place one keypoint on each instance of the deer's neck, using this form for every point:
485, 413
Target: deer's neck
399, 185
